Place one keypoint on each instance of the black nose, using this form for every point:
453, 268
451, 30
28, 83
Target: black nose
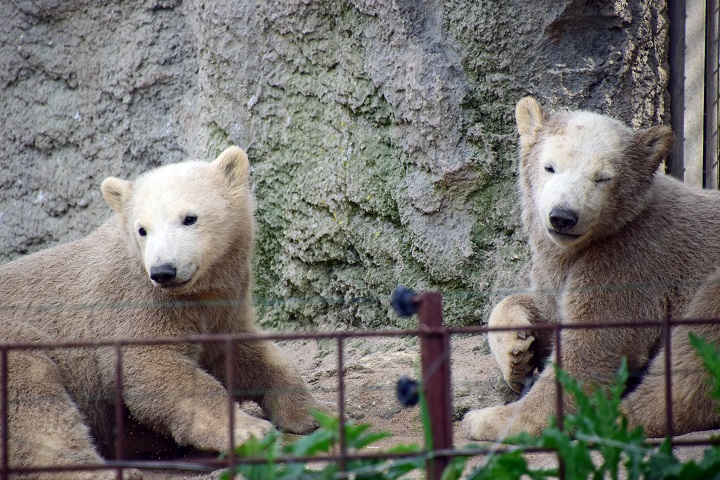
562, 219
163, 273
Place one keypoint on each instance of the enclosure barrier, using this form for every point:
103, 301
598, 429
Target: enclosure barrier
435, 382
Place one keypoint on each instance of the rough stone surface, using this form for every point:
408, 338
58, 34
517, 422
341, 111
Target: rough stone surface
381, 131
381, 136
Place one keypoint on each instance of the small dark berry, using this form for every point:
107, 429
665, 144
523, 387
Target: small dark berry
407, 391
403, 303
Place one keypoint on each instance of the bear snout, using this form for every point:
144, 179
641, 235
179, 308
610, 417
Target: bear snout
163, 273
563, 220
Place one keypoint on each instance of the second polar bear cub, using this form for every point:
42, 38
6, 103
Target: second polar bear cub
174, 260
612, 240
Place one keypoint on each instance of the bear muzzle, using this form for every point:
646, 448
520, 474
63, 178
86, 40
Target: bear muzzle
165, 276
562, 222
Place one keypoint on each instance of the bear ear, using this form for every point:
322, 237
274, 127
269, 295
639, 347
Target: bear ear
233, 165
528, 117
656, 143
116, 193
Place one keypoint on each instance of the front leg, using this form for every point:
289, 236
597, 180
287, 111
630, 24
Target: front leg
529, 414
265, 375
45, 426
591, 356
693, 408
582, 359
516, 351
166, 390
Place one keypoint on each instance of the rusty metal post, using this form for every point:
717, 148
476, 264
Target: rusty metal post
667, 339
4, 425
560, 405
342, 461
435, 362
230, 386
119, 411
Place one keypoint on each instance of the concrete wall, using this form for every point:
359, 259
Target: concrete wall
380, 131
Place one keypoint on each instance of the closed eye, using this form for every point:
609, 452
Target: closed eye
603, 180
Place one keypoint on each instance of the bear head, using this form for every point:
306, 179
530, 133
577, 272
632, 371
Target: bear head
188, 222
584, 176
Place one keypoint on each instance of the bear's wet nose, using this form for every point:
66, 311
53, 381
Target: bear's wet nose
163, 273
562, 219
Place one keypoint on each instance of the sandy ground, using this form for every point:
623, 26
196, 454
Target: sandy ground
372, 369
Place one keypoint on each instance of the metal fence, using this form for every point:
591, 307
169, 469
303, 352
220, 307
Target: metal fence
689, 21
694, 83
434, 346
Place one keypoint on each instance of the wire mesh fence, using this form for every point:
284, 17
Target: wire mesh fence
435, 359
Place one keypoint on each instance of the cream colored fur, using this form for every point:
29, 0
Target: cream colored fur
99, 288
641, 240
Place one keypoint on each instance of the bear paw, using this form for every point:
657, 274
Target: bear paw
498, 423
299, 425
513, 350
248, 426
291, 413
484, 424
297, 418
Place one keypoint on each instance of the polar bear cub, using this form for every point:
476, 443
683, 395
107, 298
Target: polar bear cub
174, 260
612, 240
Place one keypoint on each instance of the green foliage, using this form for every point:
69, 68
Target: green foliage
711, 359
324, 440
595, 426
594, 443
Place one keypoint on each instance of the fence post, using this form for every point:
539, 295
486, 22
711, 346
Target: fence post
119, 411
4, 426
435, 362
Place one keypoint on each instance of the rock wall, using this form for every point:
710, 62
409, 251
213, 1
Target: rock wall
380, 131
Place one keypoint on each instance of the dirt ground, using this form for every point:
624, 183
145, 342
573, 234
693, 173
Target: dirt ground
373, 366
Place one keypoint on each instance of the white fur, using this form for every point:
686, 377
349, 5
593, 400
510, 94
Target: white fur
176, 390
575, 173
161, 202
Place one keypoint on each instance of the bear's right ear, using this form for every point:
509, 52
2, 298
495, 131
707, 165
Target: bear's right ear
233, 165
528, 117
116, 192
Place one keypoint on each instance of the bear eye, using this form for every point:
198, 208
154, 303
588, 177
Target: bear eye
190, 220
549, 169
603, 180
142, 232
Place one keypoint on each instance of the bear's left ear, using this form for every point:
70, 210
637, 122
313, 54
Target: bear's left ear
116, 193
233, 165
656, 143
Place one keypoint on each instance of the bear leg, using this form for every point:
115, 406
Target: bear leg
45, 426
265, 375
167, 391
514, 351
529, 414
692, 407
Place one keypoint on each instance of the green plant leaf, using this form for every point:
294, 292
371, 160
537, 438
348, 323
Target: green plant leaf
368, 438
506, 466
326, 421
711, 359
321, 440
